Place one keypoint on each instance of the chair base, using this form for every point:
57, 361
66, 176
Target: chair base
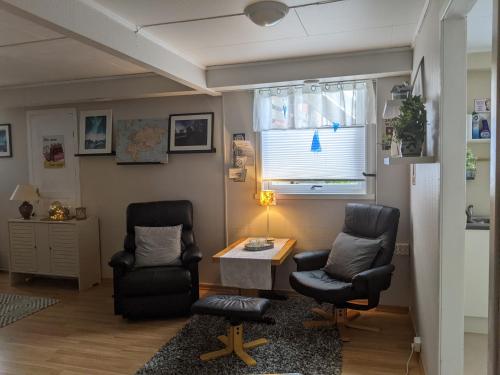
234, 344
340, 318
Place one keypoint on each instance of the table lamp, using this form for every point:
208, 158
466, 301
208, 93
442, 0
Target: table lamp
267, 199
25, 194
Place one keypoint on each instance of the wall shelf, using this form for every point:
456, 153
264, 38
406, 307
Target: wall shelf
399, 160
106, 154
478, 141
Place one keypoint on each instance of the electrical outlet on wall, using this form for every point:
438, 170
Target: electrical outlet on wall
416, 344
402, 249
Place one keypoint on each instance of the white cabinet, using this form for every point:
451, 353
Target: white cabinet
64, 249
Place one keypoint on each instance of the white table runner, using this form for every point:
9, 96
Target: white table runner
249, 269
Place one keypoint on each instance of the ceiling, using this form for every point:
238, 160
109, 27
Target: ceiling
480, 27
344, 26
31, 54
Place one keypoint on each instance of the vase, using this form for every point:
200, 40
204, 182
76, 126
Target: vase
470, 174
410, 146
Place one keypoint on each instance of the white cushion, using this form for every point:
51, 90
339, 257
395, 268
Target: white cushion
157, 246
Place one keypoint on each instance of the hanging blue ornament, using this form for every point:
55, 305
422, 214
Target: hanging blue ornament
284, 111
316, 145
335, 126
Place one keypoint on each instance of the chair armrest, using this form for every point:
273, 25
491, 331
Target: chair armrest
373, 280
191, 254
123, 259
311, 260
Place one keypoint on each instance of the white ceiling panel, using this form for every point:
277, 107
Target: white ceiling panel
285, 48
58, 60
349, 25
15, 30
359, 14
480, 27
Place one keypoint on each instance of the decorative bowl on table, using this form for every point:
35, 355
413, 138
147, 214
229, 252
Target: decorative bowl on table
259, 244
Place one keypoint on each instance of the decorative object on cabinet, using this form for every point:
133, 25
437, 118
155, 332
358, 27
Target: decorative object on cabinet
470, 165
267, 198
57, 212
191, 133
80, 213
5, 141
410, 126
25, 194
418, 81
142, 141
96, 132
55, 248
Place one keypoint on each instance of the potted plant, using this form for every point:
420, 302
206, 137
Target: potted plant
470, 165
409, 126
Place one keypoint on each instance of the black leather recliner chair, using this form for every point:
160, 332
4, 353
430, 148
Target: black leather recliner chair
361, 220
157, 291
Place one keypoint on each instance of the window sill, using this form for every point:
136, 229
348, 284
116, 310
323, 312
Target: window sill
360, 197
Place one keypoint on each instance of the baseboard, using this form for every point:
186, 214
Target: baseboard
474, 324
217, 288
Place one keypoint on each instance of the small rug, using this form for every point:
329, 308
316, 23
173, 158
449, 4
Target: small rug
15, 307
291, 348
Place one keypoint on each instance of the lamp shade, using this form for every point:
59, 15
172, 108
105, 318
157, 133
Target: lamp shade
392, 109
25, 193
267, 198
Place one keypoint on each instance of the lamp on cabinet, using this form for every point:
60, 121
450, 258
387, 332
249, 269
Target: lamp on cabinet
25, 194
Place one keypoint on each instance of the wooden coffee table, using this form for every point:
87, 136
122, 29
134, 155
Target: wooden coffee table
277, 260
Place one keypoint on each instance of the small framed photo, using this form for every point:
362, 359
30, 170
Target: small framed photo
482, 105
96, 132
192, 132
5, 141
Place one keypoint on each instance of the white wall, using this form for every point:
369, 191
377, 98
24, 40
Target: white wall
314, 222
425, 200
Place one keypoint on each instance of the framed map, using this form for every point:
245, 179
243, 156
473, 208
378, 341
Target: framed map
142, 141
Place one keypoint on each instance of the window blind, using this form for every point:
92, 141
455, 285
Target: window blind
286, 154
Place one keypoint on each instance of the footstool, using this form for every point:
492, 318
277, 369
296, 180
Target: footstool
236, 309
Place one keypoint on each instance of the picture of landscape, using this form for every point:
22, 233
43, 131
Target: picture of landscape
95, 132
3, 140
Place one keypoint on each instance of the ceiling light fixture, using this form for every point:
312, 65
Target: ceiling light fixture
266, 13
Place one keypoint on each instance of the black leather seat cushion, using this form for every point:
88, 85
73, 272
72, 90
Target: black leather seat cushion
235, 307
155, 281
318, 285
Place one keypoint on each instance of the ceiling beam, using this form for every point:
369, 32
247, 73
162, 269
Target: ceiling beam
90, 23
357, 65
135, 86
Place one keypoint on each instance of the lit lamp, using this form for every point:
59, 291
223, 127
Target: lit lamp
267, 199
25, 194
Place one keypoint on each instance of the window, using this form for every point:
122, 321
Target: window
324, 159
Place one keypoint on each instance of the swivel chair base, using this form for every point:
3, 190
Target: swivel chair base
234, 344
340, 318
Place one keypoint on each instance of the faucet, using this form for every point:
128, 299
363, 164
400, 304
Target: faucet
468, 212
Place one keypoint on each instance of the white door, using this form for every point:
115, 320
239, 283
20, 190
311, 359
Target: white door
52, 145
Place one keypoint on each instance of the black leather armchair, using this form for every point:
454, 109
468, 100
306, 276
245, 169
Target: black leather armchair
163, 290
361, 220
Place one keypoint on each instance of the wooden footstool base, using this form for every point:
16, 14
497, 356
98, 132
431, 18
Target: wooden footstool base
234, 344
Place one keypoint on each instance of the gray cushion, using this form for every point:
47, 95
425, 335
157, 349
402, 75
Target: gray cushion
351, 255
157, 246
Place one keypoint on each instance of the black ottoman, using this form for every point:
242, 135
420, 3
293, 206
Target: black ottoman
236, 309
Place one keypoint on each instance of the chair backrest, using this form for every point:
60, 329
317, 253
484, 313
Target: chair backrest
374, 221
160, 214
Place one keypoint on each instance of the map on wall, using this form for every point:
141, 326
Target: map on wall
142, 141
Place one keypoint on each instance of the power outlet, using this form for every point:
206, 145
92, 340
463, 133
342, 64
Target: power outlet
417, 344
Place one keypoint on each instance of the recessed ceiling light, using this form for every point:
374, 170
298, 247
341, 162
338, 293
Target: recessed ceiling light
266, 13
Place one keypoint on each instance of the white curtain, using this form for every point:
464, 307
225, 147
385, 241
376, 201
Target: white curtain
314, 106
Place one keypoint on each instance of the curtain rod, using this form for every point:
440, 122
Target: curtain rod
315, 84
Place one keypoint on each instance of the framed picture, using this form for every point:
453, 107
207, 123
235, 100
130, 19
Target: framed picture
5, 141
96, 132
482, 105
192, 132
418, 81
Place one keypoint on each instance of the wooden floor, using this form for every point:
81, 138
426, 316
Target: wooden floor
80, 335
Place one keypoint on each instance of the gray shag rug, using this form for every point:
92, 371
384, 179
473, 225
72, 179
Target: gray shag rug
291, 348
14, 307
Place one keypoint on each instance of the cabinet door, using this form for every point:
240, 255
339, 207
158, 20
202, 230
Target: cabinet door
23, 256
63, 249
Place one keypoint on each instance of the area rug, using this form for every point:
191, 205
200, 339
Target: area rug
15, 307
292, 348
